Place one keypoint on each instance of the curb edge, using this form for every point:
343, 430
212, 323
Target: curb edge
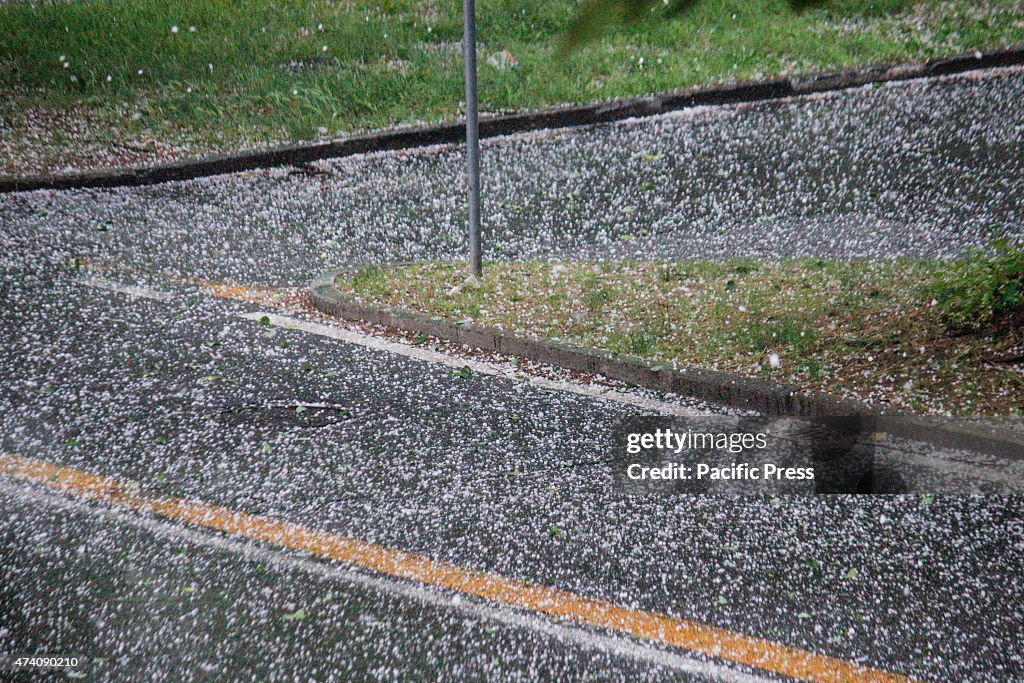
550, 118
724, 388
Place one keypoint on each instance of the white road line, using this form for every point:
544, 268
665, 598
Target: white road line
250, 551
1009, 474
506, 371
935, 459
130, 290
480, 367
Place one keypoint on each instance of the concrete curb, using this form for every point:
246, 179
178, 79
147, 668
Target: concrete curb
560, 117
768, 398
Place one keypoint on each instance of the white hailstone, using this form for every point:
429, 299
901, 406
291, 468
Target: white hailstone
188, 89
191, 29
743, 309
109, 78
174, 29
324, 48
61, 58
140, 72
67, 64
774, 361
319, 27
295, 91
430, 29
908, 385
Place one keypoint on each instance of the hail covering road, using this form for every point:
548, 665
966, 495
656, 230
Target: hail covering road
189, 399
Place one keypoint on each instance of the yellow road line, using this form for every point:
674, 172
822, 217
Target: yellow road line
240, 292
680, 633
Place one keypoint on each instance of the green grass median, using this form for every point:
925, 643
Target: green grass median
131, 78
922, 335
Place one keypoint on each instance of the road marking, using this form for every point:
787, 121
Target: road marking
257, 294
261, 294
426, 595
1010, 474
264, 295
479, 367
130, 290
935, 461
553, 602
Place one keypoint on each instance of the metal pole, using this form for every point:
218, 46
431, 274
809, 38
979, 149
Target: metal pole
472, 134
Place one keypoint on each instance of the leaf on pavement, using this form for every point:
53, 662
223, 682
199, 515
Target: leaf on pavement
297, 615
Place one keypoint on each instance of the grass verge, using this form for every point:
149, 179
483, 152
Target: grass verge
106, 82
873, 331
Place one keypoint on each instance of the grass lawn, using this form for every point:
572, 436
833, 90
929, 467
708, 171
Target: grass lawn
107, 82
895, 332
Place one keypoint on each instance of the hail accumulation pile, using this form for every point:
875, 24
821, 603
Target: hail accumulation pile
177, 394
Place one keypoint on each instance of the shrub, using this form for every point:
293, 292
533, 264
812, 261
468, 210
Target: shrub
983, 289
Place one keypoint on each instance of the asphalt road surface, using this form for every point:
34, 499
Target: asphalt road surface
197, 487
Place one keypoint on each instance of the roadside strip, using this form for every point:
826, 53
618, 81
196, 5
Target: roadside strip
544, 119
716, 386
977, 471
479, 367
242, 293
658, 628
